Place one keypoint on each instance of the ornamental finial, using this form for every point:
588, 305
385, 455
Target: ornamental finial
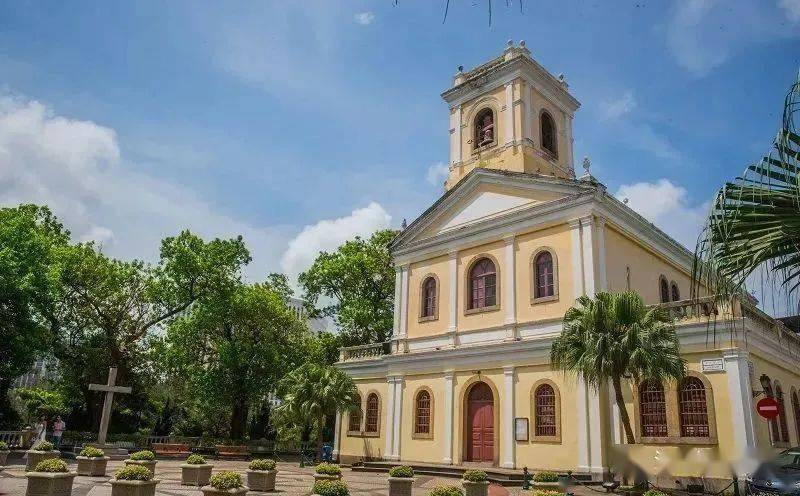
586, 165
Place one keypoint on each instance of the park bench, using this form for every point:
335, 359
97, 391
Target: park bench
261, 448
232, 452
171, 450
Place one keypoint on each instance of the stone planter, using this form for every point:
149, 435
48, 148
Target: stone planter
320, 477
133, 488
550, 486
93, 467
400, 486
475, 488
3, 457
34, 457
211, 491
150, 464
261, 480
195, 475
49, 483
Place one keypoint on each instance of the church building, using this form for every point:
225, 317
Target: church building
484, 278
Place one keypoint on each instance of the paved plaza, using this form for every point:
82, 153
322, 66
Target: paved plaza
291, 480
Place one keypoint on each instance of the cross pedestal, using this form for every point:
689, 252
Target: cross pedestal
109, 388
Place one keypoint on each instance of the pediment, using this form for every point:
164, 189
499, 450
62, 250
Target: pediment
484, 195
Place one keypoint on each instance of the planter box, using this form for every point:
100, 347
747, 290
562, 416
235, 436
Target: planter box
552, 486
261, 480
93, 467
210, 491
49, 483
150, 464
133, 488
319, 477
3, 457
34, 457
195, 475
475, 488
400, 486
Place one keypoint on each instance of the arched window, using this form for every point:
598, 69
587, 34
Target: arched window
429, 298
354, 424
663, 287
544, 275
773, 424
484, 132
373, 413
782, 414
676, 293
422, 413
652, 409
693, 408
548, 126
483, 284
544, 400
796, 410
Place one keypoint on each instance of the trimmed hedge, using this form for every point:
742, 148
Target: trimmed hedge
43, 446
51, 465
262, 464
330, 488
403, 471
545, 477
222, 481
92, 452
133, 473
475, 476
547, 492
3, 446
144, 455
654, 492
446, 491
328, 469
196, 460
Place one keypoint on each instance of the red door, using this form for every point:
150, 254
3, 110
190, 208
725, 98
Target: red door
480, 421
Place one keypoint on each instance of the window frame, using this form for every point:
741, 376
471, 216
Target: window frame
377, 431
783, 422
422, 299
673, 291
468, 310
663, 285
360, 412
414, 433
534, 276
682, 400
554, 152
474, 131
657, 390
555, 439
796, 411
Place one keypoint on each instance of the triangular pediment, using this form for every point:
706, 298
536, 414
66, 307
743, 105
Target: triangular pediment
484, 195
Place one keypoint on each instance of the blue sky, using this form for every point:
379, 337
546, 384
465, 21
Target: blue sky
299, 124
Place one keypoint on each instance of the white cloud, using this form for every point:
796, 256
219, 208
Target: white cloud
327, 235
364, 18
437, 173
667, 206
614, 109
792, 9
76, 168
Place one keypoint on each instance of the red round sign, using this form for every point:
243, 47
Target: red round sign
767, 408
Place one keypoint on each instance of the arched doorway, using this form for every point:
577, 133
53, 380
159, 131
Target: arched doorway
480, 423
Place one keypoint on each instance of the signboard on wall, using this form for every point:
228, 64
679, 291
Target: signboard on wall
712, 365
521, 429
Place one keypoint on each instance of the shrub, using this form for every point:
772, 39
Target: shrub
330, 488
262, 464
329, 469
3, 446
547, 492
133, 473
446, 491
401, 471
143, 455
545, 477
92, 452
654, 492
196, 460
43, 446
51, 465
475, 476
222, 481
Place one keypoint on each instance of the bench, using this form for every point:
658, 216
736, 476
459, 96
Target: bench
171, 450
232, 452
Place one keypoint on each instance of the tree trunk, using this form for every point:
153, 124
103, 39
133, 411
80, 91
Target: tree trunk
320, 430
238, 418
623, 411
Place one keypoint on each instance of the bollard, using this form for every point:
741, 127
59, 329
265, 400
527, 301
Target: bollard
736, 486
526, 479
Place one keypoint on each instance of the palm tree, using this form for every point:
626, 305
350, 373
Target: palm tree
616, 336
755, 220
312, 392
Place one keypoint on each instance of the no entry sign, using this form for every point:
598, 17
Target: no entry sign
767, 408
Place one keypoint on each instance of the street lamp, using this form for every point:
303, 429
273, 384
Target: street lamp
766, 387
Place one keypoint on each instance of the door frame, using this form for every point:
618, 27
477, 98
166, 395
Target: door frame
465, 427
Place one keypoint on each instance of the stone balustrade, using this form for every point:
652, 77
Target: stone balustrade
363, 352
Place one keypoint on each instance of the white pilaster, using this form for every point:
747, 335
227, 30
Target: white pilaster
741, 398
602, 283
526, 110
448, 417
616, 422
453, 284
597, 465
455, 135
577, 257
398, 414
507, 443
404, 302
509, 298
337, 435
582, 427
398, 291
509, 113
568, 137
587, 240
389, 453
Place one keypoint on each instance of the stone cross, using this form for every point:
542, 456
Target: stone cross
110, 388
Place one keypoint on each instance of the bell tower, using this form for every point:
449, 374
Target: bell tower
510, 114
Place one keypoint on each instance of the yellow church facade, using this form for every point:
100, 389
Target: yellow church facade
484, 278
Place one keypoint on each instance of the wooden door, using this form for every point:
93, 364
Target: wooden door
480, 422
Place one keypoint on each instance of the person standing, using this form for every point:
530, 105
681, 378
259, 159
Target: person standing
58, 430
41, 430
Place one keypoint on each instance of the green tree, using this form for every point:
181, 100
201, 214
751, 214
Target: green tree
357, 282
30, 241
312, 392
614, 336
755, 220
38, 402
232, 349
